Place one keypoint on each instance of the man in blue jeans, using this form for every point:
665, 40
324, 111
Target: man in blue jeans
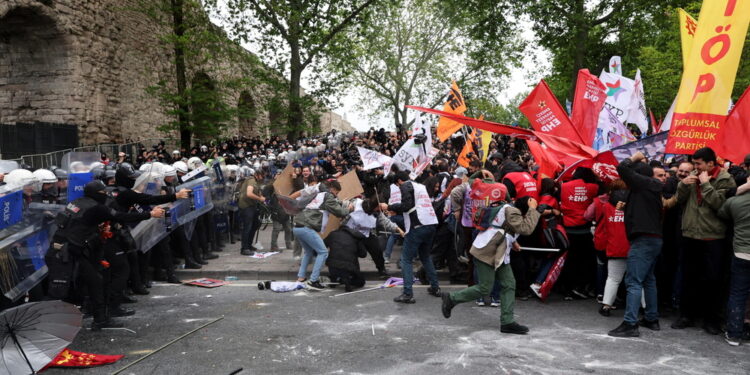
420, 222
737, 211
643, 225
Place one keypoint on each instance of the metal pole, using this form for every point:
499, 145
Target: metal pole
166, 345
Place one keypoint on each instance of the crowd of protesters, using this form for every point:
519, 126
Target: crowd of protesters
667, 236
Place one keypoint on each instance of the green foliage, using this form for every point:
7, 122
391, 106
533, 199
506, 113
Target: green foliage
492, 110
410, 52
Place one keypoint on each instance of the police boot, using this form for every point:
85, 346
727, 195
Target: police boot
198, 255
101, 320
190, 262
171, 277
116, 311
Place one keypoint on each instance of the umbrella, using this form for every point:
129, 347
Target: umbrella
32, 334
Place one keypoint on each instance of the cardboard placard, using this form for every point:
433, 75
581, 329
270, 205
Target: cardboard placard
283, 182
350, 188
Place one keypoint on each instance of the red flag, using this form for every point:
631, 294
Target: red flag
558, 145
587, 104
72, 358
654, 124
604, 165
546, 115
734, 139
548, 165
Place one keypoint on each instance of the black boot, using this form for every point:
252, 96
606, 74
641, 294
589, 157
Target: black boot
116, 311
625, 330
101, 320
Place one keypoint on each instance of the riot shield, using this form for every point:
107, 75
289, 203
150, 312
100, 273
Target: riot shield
22, 252
149, 232
199, 203
79, 166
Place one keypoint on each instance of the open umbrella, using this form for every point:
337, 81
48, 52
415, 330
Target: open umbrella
32, 334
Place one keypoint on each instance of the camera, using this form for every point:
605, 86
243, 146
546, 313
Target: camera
420, 139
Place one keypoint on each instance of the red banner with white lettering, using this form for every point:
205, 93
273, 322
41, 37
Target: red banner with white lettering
587, 105
546, 115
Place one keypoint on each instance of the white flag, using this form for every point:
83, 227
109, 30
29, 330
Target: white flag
638, 114
667, 123
373, 159
411, 154
615, 65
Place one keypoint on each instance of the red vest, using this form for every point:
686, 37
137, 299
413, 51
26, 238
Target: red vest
525, 185
575, 197
617, 239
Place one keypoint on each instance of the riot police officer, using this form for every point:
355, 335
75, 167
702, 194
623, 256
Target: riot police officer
77, 239
46, 190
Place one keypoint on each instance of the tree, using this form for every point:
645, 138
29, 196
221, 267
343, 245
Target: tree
295, 36
416, 52
197, 103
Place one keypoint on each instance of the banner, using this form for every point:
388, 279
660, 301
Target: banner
76, 183
603, 165
638, 114
615, 65
587, 105
687, 34
412, 153
373, 159
611, 133
454, 104
619, 96
562, 147
12, 209
72, 358
424, 163
652, 147
546, 115
708, 78
463, 157
734, 140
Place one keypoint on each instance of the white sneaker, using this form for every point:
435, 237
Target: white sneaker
297, 257
387, 261
480, 302
258, 246
494, 302
731, 341
535, 288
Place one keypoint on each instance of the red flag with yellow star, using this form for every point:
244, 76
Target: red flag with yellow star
72, 358
546, 115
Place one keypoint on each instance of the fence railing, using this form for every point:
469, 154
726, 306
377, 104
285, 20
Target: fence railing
54, 158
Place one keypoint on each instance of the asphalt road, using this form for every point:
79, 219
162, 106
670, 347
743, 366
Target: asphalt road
302, 332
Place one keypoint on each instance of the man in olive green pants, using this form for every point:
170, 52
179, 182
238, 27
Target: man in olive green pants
491, 259
487, 277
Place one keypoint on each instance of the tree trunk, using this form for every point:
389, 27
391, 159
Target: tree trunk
295, 115
580, 48
180, 73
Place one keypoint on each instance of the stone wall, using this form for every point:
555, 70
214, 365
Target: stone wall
88, 63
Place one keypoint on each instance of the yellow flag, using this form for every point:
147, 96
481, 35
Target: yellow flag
454, 104
708, 77
485, 138
687, 34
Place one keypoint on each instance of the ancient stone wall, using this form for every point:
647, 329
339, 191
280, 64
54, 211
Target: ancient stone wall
89, 62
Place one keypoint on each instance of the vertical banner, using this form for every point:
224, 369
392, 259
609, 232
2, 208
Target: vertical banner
687, 34
638, 114
587, 105
463, 158
615, 65
454, 104
709, 76
546, 115
76, 183
12, 209
485, 138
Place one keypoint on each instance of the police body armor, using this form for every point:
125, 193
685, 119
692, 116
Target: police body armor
71, 230
121, 232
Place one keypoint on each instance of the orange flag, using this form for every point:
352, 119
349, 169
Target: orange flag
463, 158
454, 104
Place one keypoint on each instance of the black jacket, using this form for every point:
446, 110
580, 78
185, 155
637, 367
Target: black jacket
345, 246
643, 212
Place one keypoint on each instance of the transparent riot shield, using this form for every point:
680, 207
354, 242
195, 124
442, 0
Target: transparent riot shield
199, 203
149, 232
22, 252
79, 166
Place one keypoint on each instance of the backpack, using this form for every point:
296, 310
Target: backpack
483, 216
